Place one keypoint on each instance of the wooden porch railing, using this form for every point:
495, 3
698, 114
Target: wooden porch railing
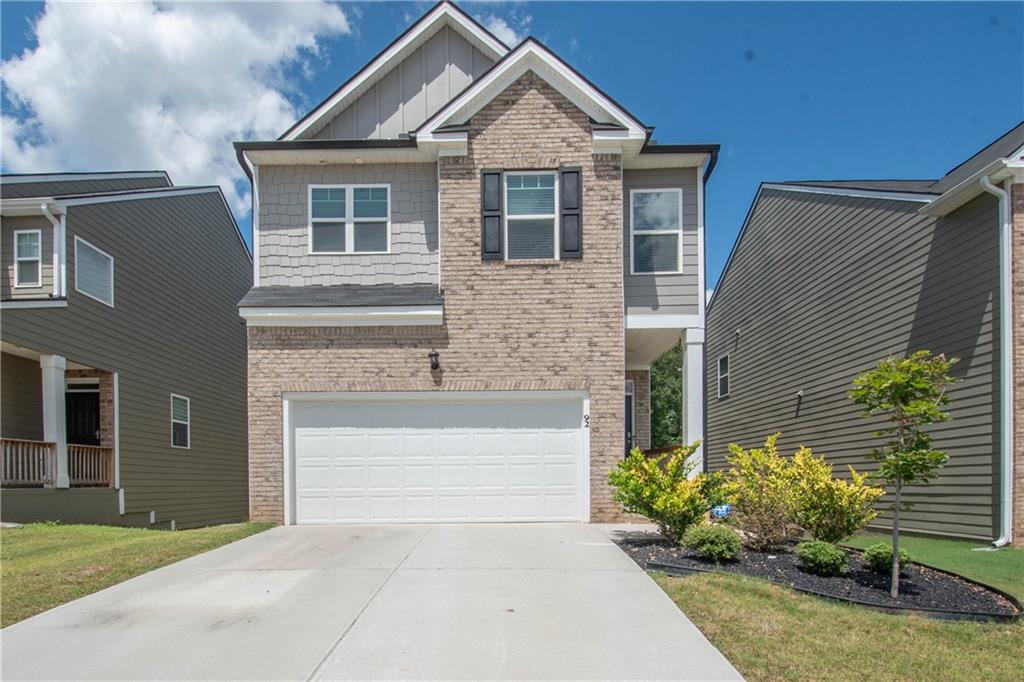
27, 463
90, 465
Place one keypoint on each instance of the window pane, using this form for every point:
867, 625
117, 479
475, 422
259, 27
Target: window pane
655, 211
328, 237
28, 245
93, 273
656, 253
723, 386
28, 272
371, 237
179, 435
531, 238
723, 366
179, 409
370, 202
531, 194
328, 202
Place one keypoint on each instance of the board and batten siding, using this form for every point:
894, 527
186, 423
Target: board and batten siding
818, 290
411, 92
180, 269
284, 254
669, 294
8, 226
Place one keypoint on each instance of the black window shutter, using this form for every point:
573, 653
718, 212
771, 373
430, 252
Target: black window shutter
571, 214
491, 237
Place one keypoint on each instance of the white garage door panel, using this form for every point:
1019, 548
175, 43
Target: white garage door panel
485, 459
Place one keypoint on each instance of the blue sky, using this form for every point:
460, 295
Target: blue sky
790, 91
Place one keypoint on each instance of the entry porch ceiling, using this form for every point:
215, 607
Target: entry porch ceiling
644, 346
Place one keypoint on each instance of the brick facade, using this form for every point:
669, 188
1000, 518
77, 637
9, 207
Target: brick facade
508, 326
1017, 203
642, 406
106, 386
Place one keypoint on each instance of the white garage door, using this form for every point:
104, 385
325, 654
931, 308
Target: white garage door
439, 457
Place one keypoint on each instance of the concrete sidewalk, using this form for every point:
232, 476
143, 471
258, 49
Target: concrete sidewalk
516, 601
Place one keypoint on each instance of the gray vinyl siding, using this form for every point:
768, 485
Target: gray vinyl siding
179, 271
818, 290
8, 226
670, 294
21, 395
284, 226
17, 190
415, 89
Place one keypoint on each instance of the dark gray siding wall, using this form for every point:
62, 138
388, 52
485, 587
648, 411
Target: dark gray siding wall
21, 398
17, 190
8, 226
676, 294
180, 269
822, 287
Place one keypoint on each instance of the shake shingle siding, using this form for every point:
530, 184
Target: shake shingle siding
819, 289
179, 272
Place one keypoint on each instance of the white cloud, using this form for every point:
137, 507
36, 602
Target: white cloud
510, 31
146, 85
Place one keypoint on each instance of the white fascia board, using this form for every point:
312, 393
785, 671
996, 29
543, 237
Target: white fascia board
860, 193
662, 321
530, 56
34, 303
29, 206
964, 191
343, 316
323, 157
69, 177
444, 13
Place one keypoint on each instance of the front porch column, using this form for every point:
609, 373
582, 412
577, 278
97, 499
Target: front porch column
54, 414
693, 392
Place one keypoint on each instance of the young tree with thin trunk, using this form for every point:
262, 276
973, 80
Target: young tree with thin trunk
910, 392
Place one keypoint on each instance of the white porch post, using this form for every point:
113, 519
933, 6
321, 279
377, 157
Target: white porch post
54, 426
693, 391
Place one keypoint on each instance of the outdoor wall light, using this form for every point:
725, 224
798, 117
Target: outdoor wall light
435, 360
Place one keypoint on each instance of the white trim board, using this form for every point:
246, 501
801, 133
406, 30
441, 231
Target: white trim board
342, 316
31, 303
663, 321
678, 232
77, 261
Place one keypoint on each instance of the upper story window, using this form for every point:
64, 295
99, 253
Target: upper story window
346, 219
531, 222
723, 376
181, 421
94, 272
28, 258
656, 223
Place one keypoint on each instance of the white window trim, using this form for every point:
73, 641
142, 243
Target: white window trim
633, 233
86, 293
21, 259
350, 220
727, 376
188, 424
532, 216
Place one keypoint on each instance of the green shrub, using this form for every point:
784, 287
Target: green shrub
878, 557
831, 509
713, 487
660, 489
759, 487
713, 541
821, 558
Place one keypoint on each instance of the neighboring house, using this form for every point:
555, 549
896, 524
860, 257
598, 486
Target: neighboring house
828, 278
467, 258
123, 366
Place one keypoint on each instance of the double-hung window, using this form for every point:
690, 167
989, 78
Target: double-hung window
28, 258
656, 220
531, 222
723, 376
345, 219
181, 421
94, 272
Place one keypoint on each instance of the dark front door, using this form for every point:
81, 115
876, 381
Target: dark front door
83, 418
629, 423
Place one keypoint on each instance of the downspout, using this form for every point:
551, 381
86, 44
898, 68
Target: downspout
45, 208
1005, 361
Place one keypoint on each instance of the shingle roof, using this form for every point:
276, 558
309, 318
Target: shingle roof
912, 186
348, 295
1001, 148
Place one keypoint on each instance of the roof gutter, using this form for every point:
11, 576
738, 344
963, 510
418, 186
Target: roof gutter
1005, 361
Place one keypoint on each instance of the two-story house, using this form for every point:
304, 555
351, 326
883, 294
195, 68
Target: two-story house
466, 259
123, 359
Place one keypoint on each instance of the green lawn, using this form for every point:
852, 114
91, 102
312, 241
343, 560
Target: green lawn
769, 632
44, 565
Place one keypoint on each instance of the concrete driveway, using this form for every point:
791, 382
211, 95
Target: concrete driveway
524, 601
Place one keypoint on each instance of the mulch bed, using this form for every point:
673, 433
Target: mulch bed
922, 589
